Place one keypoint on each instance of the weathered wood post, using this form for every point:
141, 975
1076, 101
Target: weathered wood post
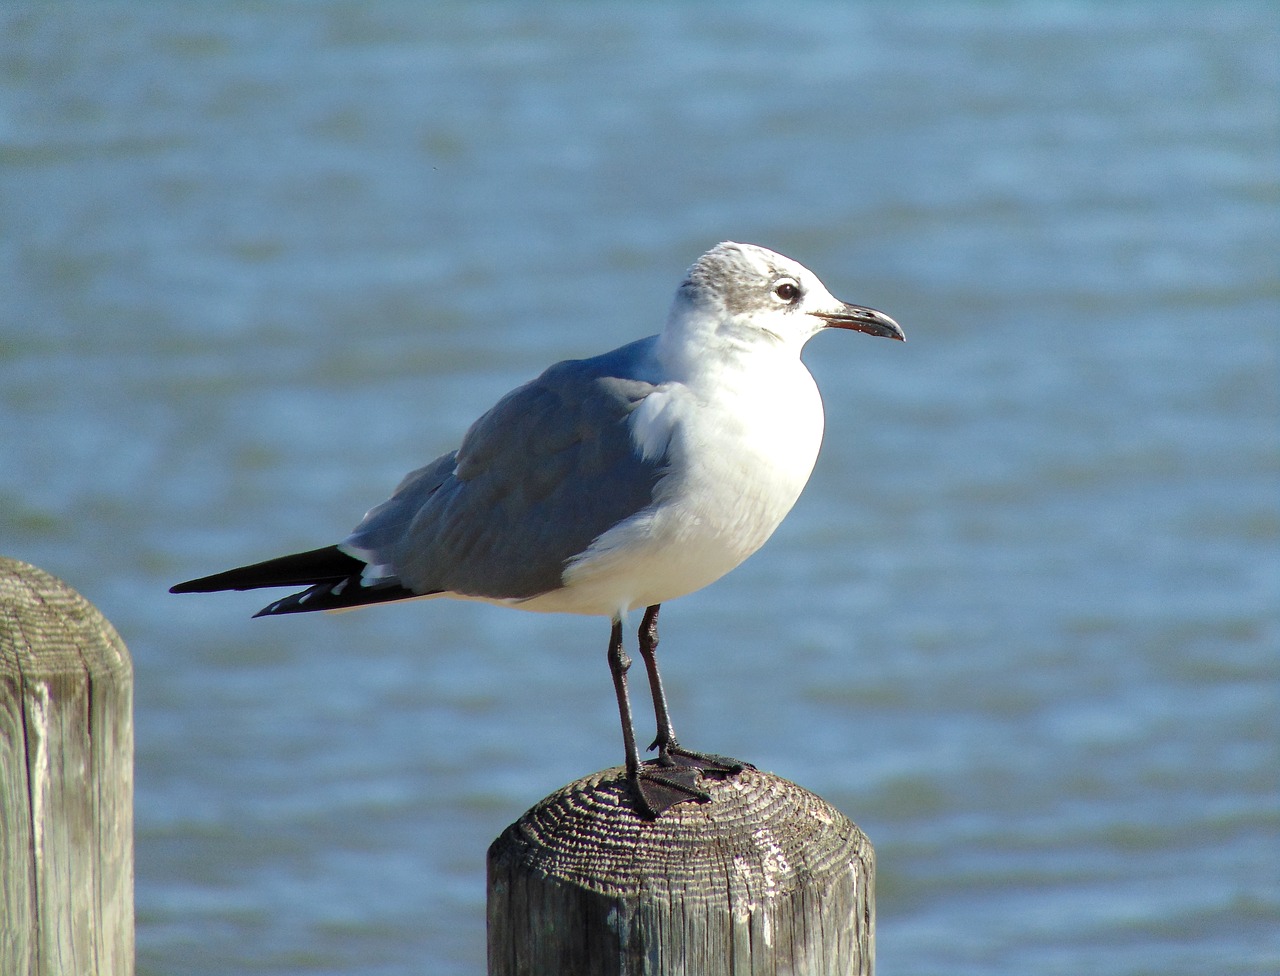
66, 782
766, 878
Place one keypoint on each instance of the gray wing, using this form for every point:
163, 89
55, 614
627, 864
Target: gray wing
534, 482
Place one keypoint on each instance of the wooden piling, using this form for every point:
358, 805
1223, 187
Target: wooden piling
766, 878
66, 783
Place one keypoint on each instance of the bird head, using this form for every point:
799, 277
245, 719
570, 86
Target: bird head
747, 295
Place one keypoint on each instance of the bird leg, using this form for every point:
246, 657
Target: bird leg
670, 753
619, 665
666, 737
656, 788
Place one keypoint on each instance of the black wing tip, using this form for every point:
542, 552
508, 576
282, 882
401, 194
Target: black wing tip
205, 584
326, 565
333, 581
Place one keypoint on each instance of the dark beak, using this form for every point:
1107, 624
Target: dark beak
861, 319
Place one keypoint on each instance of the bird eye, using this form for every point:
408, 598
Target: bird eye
787, 290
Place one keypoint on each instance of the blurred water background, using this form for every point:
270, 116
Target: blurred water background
259, 259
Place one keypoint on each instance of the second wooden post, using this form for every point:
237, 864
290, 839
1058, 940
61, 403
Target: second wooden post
66, 782
767, 878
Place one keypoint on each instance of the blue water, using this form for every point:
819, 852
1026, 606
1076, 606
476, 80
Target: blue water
258, 260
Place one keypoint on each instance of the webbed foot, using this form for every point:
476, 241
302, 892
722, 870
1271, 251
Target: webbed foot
660, 787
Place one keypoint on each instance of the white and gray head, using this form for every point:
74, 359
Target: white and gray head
743, 294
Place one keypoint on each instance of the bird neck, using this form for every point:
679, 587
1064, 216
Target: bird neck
699, 347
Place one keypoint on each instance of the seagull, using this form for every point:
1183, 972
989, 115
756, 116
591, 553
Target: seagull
610, 484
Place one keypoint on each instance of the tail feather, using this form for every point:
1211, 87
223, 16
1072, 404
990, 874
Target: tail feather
329, 564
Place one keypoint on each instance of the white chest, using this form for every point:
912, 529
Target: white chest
738, 462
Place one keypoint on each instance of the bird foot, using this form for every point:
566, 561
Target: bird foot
659, 788
675, 777
708, 762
